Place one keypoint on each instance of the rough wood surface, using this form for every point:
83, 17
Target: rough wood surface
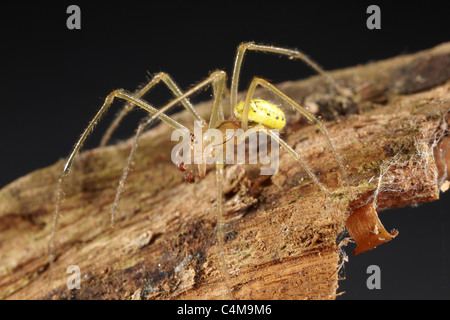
282, 232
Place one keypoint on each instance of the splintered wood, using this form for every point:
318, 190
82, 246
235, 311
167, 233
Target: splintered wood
281, 230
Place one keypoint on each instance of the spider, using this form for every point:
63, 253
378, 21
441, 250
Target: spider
249, 114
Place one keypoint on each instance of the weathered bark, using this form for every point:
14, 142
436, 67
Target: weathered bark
281, 231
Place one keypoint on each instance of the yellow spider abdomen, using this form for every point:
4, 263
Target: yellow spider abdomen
263, 112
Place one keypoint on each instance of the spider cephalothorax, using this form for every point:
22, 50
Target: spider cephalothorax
262, 114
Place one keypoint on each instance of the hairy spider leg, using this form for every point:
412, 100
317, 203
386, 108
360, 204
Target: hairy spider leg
170, 83
216, 79
299, 159
292, 54
218, 82
120, 93
126, 170
313, 120
220, 234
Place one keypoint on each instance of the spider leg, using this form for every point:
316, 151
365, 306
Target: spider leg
122, 94
170, 83
299, 159
126, 170
218, 79
302, 111
218, 82
292, 54
220, 234
108, 102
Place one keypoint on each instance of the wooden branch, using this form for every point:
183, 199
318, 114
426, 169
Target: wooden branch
281, 230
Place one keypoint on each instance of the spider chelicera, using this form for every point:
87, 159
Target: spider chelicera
251, 113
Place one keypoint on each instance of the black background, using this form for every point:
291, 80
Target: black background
55, 79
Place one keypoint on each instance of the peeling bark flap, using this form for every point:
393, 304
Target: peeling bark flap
366, 229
